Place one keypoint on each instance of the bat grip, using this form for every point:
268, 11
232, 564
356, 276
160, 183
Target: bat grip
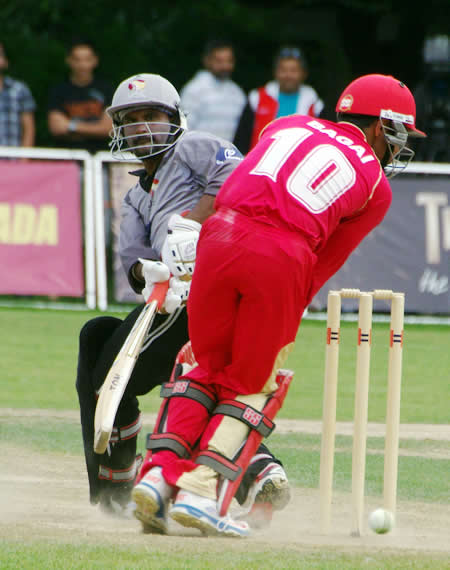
159, 293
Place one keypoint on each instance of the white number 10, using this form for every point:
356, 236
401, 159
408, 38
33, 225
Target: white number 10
318, 179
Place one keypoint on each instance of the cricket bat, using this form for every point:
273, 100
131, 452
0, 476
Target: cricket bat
119, 374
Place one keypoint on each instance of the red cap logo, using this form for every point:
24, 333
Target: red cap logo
346, 103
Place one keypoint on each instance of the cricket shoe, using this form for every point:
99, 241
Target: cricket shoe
269, 492
195, 511
152, 495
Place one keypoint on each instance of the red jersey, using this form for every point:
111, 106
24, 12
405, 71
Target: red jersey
314, 177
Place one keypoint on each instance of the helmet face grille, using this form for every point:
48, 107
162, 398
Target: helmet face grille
143, 139
399, 154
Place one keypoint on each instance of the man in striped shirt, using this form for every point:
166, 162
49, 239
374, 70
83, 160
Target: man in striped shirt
17, 108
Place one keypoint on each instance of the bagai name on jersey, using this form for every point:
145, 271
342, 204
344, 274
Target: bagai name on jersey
346, 141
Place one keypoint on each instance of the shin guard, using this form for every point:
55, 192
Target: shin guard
160, 438
228, 486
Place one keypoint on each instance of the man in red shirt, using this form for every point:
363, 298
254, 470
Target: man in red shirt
286, 220
286, 94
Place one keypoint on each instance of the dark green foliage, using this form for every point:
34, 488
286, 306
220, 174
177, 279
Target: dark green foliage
340, 39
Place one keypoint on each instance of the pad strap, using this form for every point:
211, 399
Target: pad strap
120, 475
253, 418
189, 389
170, 441
122, 433
219, 463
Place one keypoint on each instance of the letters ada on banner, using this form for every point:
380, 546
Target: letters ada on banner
409, 251
41, 246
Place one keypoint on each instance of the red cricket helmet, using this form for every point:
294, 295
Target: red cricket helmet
380, 96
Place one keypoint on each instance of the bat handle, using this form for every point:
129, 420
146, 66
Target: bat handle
159, 293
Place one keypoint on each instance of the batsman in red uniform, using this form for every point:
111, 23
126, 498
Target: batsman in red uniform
286, 220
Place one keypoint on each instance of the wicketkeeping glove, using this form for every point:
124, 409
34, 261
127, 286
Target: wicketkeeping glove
179, 248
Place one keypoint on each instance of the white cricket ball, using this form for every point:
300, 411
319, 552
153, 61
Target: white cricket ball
381, 521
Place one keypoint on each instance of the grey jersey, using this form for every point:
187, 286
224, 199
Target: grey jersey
198, 164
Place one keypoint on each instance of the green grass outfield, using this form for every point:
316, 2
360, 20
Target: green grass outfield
299, 453
68, 557
39, 352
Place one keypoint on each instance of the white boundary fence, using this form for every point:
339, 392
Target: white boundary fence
100, 245
100, 158
441, 168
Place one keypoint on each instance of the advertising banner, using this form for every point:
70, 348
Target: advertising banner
41, 247
408, 252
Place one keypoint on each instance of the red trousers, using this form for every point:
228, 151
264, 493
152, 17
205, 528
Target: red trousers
248, 294
247, 298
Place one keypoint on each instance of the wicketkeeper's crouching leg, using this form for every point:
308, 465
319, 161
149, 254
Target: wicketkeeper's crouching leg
204, 441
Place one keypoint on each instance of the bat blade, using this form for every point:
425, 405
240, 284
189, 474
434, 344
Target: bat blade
116, 381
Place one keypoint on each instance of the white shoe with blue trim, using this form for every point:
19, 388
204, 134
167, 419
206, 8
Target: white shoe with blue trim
152, 495
192, 510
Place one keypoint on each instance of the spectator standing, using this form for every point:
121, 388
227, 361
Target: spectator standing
286, 94
76, 109
17, 108
211, 100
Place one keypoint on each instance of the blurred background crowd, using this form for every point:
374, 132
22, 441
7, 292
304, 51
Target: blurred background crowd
237, 65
